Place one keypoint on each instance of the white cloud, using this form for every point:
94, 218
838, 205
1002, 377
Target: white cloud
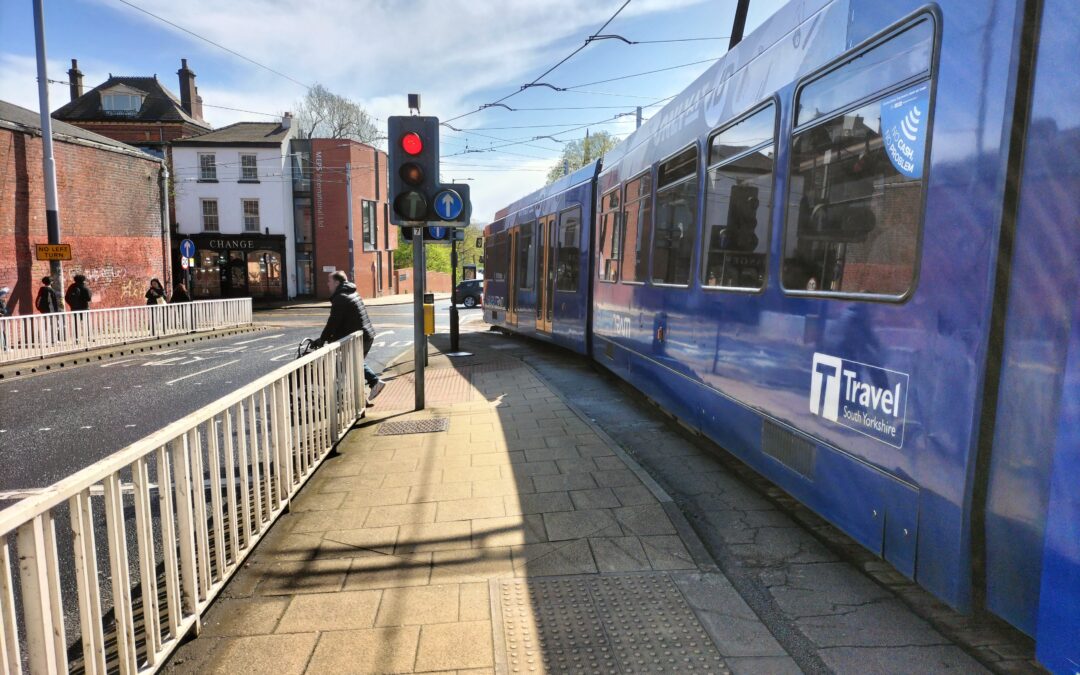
18, 79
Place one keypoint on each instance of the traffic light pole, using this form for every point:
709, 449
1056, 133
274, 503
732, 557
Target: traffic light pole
453, 296
419, 339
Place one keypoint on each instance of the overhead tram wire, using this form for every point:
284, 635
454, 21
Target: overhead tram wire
218, 45
569, 56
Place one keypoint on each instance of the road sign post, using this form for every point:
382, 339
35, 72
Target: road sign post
419, 339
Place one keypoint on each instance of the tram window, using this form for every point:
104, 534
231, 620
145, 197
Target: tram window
569, 250
676, 219
738, 203
526, 257
855, 204
608, 237
637, 219
496, 260
901, 57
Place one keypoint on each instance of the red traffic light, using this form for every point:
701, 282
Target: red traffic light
412, 144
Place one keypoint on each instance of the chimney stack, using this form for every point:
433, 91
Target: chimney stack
286, 121
75, 80
189, 94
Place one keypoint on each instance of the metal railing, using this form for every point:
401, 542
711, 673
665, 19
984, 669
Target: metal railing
203, 490
39, 335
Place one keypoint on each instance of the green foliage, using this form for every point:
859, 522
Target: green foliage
438, 255
578, 153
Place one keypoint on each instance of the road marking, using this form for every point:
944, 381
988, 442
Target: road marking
137, 386
385, 332
86, 427
106, 387
282, 357
3, 431
128, 426
267, 337
78, 388
221, 365
106, 365
45, 429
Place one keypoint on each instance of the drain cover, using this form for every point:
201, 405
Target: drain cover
626, 623
414, 426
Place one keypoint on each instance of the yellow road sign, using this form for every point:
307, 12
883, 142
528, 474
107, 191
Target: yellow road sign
53, 251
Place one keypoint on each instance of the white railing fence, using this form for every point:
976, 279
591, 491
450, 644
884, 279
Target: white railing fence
202, 491
39, 335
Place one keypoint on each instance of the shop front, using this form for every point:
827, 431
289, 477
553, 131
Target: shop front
225, 266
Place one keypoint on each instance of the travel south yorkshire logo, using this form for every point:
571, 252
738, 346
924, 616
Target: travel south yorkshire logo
904, 120
868, 399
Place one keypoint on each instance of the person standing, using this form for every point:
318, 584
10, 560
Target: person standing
180, 294
48, 301
4, 309
156, 294
348, 315
78, 296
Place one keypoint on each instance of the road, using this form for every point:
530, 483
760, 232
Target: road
53, 424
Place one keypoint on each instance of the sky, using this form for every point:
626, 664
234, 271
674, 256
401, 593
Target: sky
458, 54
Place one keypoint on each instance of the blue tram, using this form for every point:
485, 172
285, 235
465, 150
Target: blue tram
847, 253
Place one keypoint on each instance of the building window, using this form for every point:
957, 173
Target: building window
738, 202
123, 105
676, 219
251, 215
207, 166
370, 227
249, 171
209, 215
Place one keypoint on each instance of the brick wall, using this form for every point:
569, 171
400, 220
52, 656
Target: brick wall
110, 213
437, 282
330, 215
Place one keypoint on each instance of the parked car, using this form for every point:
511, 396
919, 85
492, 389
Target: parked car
470, 293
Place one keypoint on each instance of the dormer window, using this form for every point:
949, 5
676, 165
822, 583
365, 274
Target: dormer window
125, 105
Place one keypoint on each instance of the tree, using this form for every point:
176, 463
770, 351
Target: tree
577, 154
324, 114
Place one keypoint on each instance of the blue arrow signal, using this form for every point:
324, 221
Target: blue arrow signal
437, 231
187, 249
448, 204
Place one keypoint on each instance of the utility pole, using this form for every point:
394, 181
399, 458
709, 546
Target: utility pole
739, 24
48, 163
453, 293
348, 206
637, 117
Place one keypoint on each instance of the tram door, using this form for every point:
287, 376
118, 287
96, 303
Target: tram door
545, 274
511, 279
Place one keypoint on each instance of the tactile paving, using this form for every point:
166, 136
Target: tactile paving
425, 426
603, 624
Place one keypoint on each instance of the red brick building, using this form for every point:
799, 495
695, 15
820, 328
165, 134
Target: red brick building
347, 189
139, 111
110, 212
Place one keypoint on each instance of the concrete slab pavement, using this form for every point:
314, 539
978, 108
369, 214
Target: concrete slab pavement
524, 538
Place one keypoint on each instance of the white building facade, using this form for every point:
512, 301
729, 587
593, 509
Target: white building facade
233, 195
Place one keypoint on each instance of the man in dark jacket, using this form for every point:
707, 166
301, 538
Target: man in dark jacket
348, 315
78, 295
47, 301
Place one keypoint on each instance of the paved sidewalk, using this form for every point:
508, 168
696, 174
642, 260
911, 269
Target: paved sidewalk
524, 539
517, 539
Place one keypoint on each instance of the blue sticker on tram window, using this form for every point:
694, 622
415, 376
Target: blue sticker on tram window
904, 121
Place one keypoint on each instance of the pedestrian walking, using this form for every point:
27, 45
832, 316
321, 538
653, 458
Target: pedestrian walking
156, 294
4, 309
78, 296
180, 294
47, 301
348, 315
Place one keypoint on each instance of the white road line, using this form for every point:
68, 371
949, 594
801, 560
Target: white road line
267, 337
86, 427
222, 365
385, 332
106, 387
113, 363
128, 426
45, 429
77, 388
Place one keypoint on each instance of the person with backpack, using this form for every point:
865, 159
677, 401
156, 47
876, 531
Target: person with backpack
47, 301
78, 296
348, 315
